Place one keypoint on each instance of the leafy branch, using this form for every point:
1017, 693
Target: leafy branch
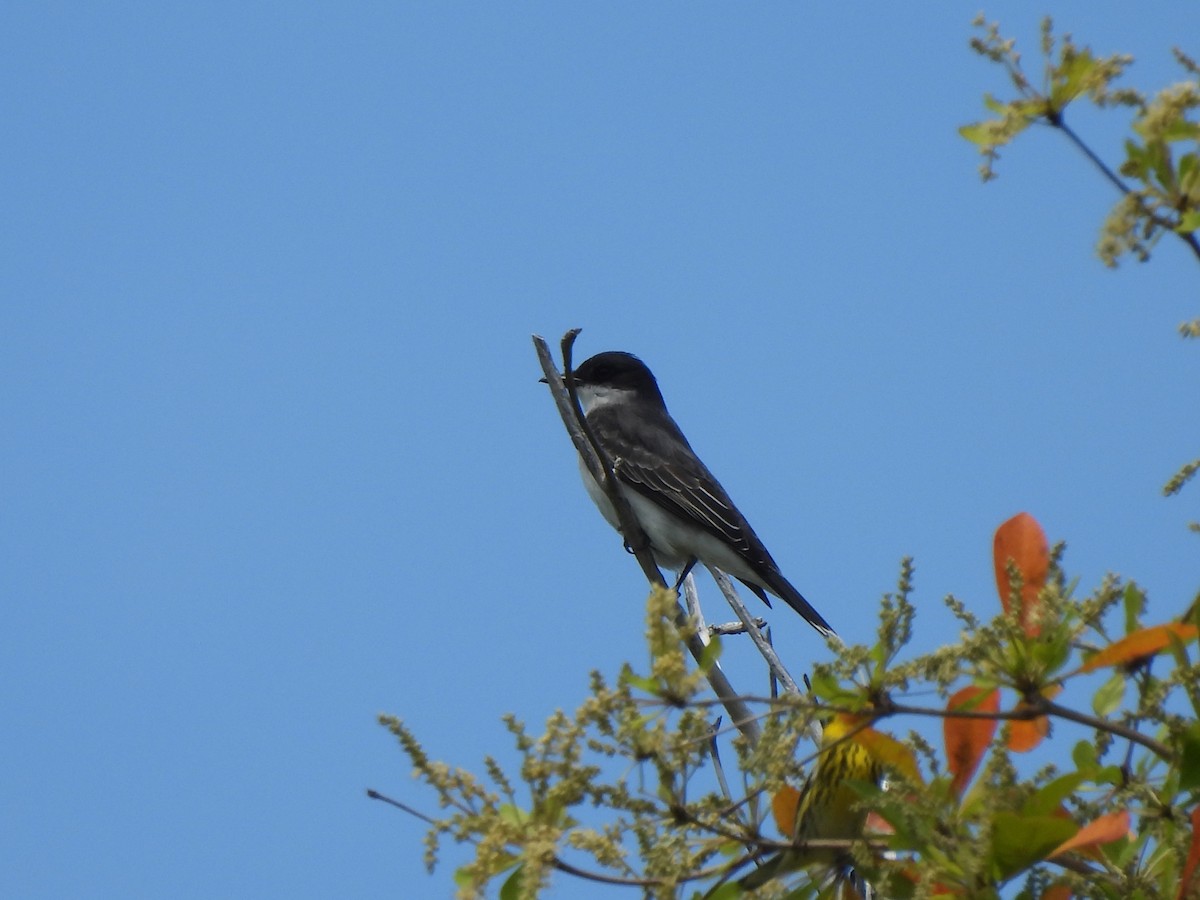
1159, 177
623, 790
1162, 165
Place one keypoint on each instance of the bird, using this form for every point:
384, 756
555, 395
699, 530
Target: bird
686, 514
829, 807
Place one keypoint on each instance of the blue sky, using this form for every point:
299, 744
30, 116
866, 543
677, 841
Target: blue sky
276, 460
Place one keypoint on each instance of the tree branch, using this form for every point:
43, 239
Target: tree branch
774, 663
1056, 121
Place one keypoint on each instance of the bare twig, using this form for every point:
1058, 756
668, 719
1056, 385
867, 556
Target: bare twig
375, 795
735, 627
1055, 120
1159, 749
691, 601
774, 663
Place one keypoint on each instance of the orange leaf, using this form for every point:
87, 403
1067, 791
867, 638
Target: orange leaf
1188, 884
877, 824
1025, 734
939, 889
783, 806
1146, 642
967, 739
1022, 541
1104, 830
1057, 892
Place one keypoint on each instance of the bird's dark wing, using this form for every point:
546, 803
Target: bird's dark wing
652, 456
659, 463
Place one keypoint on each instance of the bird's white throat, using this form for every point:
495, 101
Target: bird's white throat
593, 396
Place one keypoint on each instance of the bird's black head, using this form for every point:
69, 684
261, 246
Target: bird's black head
616, 371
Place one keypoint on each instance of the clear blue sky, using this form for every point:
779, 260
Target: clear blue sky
275, 459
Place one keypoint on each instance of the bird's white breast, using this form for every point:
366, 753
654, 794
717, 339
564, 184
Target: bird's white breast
674, 543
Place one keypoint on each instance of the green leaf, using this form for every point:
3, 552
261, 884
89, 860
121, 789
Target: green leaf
1072, 78
1135, 602
1189, 758
1189, 223
993, 104
514, 815
1084, 756
826, 687
511, 889
1181, 130
730, 890
1164, 171
1053, 654
1187, 165
643, 683
1110, 695
979, 133
1049, 798
712, 652
1135, 164
1020, 841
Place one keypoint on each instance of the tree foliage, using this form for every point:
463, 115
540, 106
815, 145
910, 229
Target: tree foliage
1118, 820
1158, 179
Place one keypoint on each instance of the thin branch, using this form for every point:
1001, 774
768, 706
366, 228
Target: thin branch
648, 882
691, 601
774, 663
735, 627
375, 795
1055, 120
1032, 711
715, 751
1159, 749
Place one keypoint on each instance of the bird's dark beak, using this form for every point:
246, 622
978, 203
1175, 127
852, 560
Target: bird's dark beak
543, 381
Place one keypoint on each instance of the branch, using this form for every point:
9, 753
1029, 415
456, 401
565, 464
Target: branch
735, 627
1159, 749
1035, 710
600, 468
1055, 120
375, 795
774, 663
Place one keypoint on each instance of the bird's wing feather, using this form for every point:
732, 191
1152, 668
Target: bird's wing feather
654, 458
683, 486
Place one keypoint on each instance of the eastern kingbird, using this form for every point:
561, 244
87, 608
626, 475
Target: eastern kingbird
683, 509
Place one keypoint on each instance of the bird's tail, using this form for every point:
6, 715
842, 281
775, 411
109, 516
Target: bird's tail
782, 588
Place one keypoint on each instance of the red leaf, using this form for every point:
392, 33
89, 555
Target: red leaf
967, 739
1104, 830
1022, 541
